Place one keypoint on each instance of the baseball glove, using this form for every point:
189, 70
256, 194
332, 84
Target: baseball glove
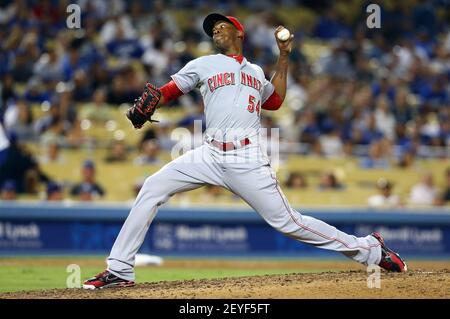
145, 106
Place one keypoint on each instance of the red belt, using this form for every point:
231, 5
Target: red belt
229, 146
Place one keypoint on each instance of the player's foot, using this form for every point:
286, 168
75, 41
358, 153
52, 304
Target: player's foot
390, 260
106, 280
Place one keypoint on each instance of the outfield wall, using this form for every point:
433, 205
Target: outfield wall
46, 228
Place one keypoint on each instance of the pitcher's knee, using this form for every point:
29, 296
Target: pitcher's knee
153, 187
289, 228
286, 225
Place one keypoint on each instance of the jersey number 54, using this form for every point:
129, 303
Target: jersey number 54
251, 105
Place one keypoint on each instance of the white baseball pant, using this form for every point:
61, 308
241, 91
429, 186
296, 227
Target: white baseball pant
254, 181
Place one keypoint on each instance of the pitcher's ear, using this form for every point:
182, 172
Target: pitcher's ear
240, 34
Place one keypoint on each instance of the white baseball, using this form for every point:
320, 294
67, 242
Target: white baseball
283, 34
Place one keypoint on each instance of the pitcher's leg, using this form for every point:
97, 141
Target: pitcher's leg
180, 175
259, 188
155, 191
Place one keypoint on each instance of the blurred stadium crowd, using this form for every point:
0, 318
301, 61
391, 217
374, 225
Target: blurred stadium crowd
379, 96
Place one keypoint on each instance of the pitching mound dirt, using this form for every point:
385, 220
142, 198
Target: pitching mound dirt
348, 284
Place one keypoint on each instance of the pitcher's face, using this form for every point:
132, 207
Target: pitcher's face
224, 35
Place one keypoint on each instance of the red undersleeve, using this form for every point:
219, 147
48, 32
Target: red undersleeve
170, 91
273, 102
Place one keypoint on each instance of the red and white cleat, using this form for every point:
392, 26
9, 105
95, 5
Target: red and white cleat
106, 280
390, 260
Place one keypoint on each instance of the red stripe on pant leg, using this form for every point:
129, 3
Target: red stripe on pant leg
309, 229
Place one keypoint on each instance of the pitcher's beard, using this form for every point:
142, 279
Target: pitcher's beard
220, 47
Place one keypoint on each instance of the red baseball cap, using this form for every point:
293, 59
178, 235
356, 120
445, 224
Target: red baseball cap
211, 19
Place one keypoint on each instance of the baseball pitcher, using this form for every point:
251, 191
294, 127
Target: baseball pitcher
235, 91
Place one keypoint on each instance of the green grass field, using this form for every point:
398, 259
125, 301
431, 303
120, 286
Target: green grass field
39, 273
20, 274
43, 277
